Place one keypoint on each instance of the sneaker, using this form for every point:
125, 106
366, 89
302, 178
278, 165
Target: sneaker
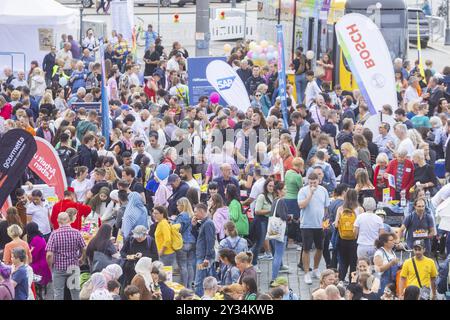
316, 274
284, 269
308, 279
257, 269
266, 256
299, 248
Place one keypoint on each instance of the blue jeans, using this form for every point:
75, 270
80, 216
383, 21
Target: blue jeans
278, 248
167, 259
200, 275
186, 262
300, 85
260, 225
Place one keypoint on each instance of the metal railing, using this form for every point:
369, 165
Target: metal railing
437, 28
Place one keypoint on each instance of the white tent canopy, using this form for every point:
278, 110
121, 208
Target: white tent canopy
30, 27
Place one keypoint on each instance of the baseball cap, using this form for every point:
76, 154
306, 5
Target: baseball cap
139, 232
380, 212
125, 107
419, 243
172, 178
280, 281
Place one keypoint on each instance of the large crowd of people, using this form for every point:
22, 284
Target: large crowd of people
186, 199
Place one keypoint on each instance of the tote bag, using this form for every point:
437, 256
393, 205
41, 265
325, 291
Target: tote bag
276, 228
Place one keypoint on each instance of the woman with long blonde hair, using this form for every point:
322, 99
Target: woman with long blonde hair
186, 256
349, 164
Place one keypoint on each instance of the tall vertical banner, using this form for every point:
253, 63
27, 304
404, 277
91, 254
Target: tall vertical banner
17, 147
228, 84
419, 48
105, 103
282, 75
47, 165
368, 56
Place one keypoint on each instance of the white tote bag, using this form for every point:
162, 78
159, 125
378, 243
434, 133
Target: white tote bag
277, 227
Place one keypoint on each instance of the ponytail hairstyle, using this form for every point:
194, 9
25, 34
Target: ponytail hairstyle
80, 170
245, 257
383, 239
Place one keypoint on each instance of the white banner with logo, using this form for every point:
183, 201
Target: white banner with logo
122, 13
228, 84
368, 56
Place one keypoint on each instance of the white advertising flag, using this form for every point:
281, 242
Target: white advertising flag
228, 84
368, 56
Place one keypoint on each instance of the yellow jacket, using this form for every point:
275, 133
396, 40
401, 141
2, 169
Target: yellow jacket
163, 236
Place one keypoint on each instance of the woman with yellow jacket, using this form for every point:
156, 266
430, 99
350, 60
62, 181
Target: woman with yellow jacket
163, 236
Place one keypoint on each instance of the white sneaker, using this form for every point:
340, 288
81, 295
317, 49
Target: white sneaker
299, 248
266, 257
308, 279
316, 274
257, 269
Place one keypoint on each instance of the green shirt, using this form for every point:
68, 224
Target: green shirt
250, 296
293, 182
263, 204
238, 218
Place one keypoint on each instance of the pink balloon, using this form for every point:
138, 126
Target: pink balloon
250, 54
214, 97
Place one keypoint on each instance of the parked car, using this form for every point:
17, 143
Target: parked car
164, 3
424, 27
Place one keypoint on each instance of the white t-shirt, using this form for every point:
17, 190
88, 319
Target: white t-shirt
442, 195
408, 145
257, 189
39, 215
369, 225
385, 255
311, 92
81, 188
193, 184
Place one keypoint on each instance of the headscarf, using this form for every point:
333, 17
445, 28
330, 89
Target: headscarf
135, 214
98, 281
32, 230
144, 269
112, 272
95, 202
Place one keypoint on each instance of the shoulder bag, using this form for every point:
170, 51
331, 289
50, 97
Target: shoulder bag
425, 292
276, 228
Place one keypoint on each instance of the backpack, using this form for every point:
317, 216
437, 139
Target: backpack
64, 156
345, 225
72, 164
177, 239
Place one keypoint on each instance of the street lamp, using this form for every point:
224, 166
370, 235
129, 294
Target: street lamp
81, 24
447, 30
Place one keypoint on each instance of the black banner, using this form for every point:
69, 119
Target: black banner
17, 147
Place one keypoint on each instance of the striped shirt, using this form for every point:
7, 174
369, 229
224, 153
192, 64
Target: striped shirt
398, 178
67, 244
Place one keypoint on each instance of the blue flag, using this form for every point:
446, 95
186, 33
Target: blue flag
282, 75
105, 104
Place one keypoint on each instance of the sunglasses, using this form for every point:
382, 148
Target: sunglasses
257, 95
130, 132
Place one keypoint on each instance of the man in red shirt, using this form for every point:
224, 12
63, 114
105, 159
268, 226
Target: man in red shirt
69, 201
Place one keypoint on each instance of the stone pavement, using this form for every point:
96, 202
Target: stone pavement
295, 277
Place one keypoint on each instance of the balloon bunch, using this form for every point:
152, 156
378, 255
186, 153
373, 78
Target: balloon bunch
262, 53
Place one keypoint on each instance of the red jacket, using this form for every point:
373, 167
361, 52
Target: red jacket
6, 111
407, 179
63, 205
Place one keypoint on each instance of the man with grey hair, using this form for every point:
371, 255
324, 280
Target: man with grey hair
226, 179
20, 275
210, 288
65, 249
401, 131
20, 81
384, 140
368, 227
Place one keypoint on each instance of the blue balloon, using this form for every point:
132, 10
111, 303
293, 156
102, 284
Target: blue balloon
162, 171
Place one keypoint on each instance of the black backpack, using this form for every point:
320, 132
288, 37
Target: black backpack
65, 157
73, 163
